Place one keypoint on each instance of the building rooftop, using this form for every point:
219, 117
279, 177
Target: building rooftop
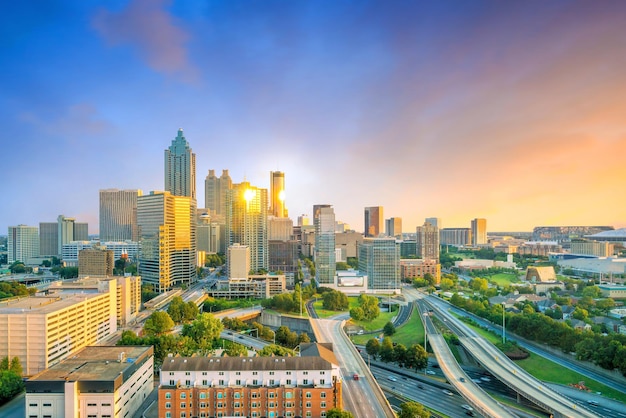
615, 233
43, 304
95, 363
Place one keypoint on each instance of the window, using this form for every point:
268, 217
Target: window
202, 404
49, 404
220, 395
172, 383
171, 373
32, 404
237, 405
255, 382
187, 373
187, 382
237, 395
183, 395
255, 395
202, 395
253, 405
305, 382
288, 373
204, 373
309, 414
271, 405
220, 405
255, 373
271, 373
271, 395
288, 404
323, 414
322, 372
221, 383
238, 382
288, 382
305, 373
288, 395
205, 382
221, 373
183, 405
322, 404
322, 381
183, 415
308, 404
322, 394
308, 395
168, 405
168, 415
238, 373
272, 382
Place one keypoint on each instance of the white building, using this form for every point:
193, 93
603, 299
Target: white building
22, 243
95, 382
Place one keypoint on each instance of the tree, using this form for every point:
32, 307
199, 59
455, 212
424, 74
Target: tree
286, 337
389, 329
274, 350
175, 309
413, 410
158, 323
357, 313
399, 354
338, 413
372, 347
204, 330
592, 291
446, 284
386, 350
335, 301
416, 357
236, 350
303, 338
369, 304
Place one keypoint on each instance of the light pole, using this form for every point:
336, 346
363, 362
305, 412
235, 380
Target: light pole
503, 324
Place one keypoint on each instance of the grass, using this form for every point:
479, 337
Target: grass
549, 371
375, 324
503, 279
412, 332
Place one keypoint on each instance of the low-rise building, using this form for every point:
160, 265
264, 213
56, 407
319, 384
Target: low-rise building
413, 268
613, 291
258, 286
304, 386
94, 382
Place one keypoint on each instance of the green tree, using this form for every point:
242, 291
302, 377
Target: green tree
416, 357
386, 350
357, 313
341, 265
389, 329
369, 304
446, 284
413, 410
335, 301
338, 413
593, 292
303, 338
274, 350
399, 354
175, 309
286, 337
204, 330
158, 323
236, 350
372, 347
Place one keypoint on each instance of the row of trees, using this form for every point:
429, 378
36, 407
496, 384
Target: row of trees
10, 289
11, 382
607, 351
290, 302
181, 311
415, 357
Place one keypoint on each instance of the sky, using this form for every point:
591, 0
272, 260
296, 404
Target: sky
513, 111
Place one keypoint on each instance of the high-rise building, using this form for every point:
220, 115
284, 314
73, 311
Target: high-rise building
208, 234
277, 194
118, 214
393, 227
238, 261
303, 220
479, 231
325, 265
427, 241
65, 232
81, 231
215, 189
455, 236
22, 243
95, 261
435, 222
167, 230
379, 258
180, 168
48, 239
374, 221
246, 221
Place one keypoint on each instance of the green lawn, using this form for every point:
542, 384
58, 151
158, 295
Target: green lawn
549, 371
503, 279
412, 332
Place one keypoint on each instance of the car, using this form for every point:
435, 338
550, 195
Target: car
420, 386
468, 412
462, 379
467, 407
240, 337
360, 332
447, 392
485, 379
355, 376
393, 379
430, 372
593, 402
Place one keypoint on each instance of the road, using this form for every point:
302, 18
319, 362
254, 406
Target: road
362, 397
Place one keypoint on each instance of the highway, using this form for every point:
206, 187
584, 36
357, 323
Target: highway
362, 397
508, 372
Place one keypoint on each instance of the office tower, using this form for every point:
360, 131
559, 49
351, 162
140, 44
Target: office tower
22, 243
95, 261
455, 236
427, 241
246, 221
167, 230
81, 231
435, 222
95, 382
325, 265
118, 214
393, 227
180, 168
65, 232
479, 231
277, 194
373, 221
208, 234
379, 258
303, 220
238, 261
215, 189
279, 228
48, 239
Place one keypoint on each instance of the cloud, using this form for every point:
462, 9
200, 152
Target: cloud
145, 25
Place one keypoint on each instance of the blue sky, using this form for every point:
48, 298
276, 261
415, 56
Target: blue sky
511, 111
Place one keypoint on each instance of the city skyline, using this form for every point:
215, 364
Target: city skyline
511, 112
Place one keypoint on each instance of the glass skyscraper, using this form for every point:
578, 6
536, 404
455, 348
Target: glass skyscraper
118, 215
180, 168
325, 264
379, 258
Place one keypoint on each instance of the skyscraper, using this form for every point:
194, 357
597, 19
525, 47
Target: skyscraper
379, 258
435, 222
374, 221
49, 239
215, 189
479, 231
167, 230
180, 168
427, 241
22, 243
277, 194
393, 227
324, 222
246, 221
65, 232
118, 215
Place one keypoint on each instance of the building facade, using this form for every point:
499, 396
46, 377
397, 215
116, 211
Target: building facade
238, 261
305, 386
215, 189
95, 261
427, 241
22, 243
393, 227
277, 194
374, 221
325, 264
479, 231
458, 237
596, 248
118, 214
95, 382
48, 239
379, 258
414, 268
246, 221
167, 227
180, 168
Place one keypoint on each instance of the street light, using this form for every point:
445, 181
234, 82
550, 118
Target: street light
503, 324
